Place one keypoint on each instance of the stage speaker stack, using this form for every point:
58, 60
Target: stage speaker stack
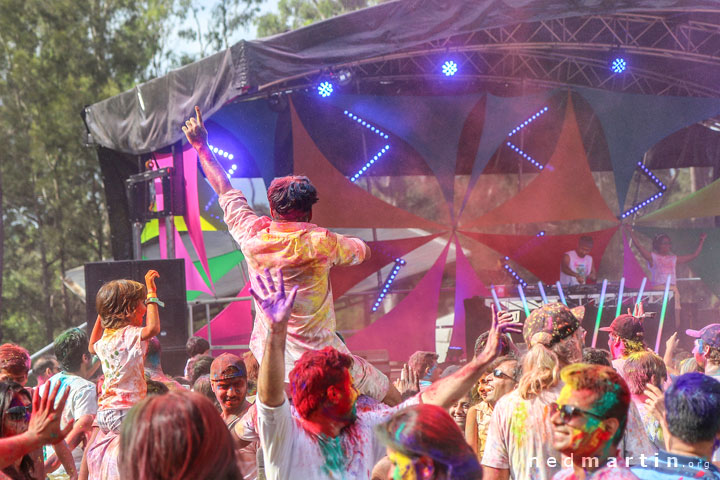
170, 289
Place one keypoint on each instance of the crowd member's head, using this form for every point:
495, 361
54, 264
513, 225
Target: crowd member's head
482, 341
228, 378
121, 303
45, 367
321, 386
502, 377
203, 386
187, 441
555, 339
692, 404
154, 387
423, 442
199, 366
642, 369
15, 405
585, 246
425, 365
71, 350
253, 369
197, 346
454, 355
662, 244
14, 363
689, 365
458, 411
627, 336
291, 198
596, 356
589, 417
700, 352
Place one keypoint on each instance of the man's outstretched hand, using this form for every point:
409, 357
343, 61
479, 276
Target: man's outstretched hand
195, 130
46, 416
274, 302
502, 322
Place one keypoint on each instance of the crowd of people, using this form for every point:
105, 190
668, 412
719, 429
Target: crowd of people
300, 405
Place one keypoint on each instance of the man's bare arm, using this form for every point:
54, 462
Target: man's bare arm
197, 136
276, 306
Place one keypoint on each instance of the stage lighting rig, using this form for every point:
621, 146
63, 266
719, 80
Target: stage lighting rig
325, 89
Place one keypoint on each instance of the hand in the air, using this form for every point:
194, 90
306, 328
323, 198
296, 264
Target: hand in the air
195, 130
150, 277
46, 416
502, 322
408, 384
274, 302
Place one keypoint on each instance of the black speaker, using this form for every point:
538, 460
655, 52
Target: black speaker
478, 320
171, 290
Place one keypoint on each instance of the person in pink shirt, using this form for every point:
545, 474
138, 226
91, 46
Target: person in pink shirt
304, 252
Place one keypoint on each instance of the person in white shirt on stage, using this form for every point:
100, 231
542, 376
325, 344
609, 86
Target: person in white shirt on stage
577, 265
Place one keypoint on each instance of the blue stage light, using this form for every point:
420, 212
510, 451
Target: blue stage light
618, 65
449, 68
325, 89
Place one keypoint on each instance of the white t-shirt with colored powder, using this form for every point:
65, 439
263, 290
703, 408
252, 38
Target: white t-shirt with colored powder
290, 452
122, 355
520, 437
82, 401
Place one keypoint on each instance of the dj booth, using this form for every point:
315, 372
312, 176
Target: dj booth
478, 309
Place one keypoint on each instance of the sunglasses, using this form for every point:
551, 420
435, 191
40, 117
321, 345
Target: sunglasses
500, 374
19, 413
568, 412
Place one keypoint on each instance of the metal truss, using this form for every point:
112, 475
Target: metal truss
674, 53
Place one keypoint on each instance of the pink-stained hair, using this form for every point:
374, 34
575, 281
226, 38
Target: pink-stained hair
188, 441
313, 374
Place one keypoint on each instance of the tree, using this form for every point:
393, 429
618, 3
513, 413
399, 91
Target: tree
55, 58
294, 14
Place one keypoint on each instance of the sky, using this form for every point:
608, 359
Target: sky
247, 33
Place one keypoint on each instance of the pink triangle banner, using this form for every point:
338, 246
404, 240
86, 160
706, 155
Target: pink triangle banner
233, 325
410, 326
192, 211
632, 271
193, 280
467, 285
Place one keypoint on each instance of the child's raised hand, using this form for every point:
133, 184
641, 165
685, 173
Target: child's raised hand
150, 277
274, 302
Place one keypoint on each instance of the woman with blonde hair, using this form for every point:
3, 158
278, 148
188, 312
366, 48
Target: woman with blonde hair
519, 441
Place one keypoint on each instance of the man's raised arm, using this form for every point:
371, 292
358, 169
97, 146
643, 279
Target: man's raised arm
448, 390
277, 307
197, 135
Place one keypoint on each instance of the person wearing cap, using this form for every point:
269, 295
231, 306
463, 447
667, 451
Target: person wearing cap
708, 346
699, 347
627, 336
228, 378
519, 442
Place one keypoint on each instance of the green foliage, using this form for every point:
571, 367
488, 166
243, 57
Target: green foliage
55, 58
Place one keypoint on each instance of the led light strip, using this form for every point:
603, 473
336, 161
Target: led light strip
525, 156
528, 121
514, 274
660, 185
399, 263
375, 130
